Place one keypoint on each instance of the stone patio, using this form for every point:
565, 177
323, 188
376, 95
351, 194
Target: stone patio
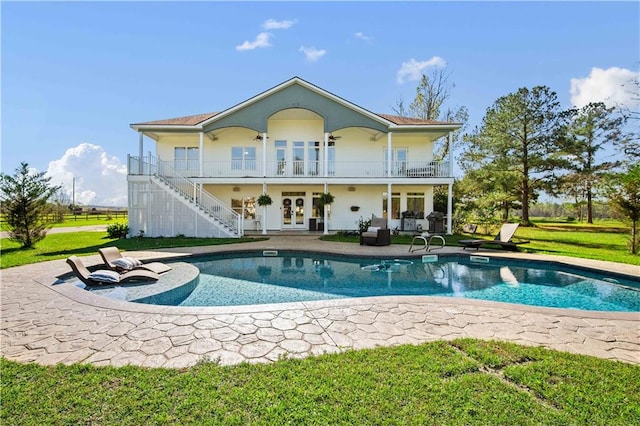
49, 323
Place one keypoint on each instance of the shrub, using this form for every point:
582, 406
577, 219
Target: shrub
118, 230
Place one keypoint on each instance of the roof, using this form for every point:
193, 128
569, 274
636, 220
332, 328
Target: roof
399, 120
201, 120
193, 120
189, 120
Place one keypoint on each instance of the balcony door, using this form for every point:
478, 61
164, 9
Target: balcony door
281, 158
293, 205
399, 157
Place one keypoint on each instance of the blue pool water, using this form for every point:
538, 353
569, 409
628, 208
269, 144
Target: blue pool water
245, 279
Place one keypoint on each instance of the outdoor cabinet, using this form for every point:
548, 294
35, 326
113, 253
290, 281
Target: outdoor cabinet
313, 224
408, 224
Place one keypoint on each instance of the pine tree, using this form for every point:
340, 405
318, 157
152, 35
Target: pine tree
24, 203
517, 138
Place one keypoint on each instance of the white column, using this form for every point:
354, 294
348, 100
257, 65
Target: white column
450, 192
389, 154
449, 208
325, 154
450, 142
264, 154
326, 212
389, 204
201, 154
141, 152
389, 176
264, 211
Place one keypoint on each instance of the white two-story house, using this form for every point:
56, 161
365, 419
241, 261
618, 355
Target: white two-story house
294, 142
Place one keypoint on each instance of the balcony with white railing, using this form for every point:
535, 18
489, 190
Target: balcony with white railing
296, 168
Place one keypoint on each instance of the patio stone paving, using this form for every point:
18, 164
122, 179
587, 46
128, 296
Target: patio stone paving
48, 324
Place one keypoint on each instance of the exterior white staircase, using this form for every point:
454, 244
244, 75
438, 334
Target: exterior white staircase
206, 205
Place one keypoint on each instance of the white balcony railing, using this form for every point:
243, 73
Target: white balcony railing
342, 169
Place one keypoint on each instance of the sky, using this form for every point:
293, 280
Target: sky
75, 75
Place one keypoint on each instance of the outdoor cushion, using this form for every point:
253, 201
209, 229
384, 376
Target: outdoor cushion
105, 276
127, 263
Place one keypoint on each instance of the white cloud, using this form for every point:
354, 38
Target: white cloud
413, 70
100, 179
363, 37
612, 86
312, 54
272, 24
262, 40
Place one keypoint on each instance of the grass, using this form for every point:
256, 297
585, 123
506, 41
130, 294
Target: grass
61, 246
460, 382
604, 240
79, 220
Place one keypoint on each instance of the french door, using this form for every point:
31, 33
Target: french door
293, 204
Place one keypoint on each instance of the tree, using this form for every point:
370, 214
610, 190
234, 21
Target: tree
517, 138
623, 191
489, 195
631, 143
586, 131
24, 202
432, 93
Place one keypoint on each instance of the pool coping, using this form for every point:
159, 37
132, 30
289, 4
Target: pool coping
83, 296
47, 322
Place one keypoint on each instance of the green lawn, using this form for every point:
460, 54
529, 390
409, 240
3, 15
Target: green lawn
61, 246
604, 240
461, 382
78, 220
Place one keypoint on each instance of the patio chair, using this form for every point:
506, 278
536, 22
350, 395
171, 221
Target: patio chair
103, 276
503, 239
377, 234
114, 260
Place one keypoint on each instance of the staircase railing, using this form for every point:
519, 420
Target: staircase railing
193, 192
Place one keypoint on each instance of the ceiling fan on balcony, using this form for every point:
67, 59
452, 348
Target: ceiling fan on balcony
258, 138
334, 138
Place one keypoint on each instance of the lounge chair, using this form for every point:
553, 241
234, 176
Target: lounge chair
103, 276
503, 239
377, 234
114, 260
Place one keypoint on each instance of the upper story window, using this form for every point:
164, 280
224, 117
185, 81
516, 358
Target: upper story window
186, 158
243, 158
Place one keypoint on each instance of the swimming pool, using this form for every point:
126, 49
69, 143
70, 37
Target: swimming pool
276, 277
